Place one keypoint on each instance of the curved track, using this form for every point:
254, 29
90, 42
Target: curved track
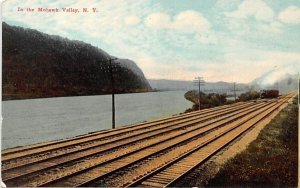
142, 154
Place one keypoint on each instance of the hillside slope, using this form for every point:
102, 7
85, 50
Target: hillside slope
40, 65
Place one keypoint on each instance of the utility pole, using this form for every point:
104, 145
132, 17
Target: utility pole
276, 83
112, 93
298, 88
199, 81
234, 91
110, 69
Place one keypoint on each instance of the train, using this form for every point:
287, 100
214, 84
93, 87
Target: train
269, 93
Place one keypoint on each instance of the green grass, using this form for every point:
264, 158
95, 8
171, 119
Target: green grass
270, 160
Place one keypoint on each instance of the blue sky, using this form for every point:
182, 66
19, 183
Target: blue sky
228, 40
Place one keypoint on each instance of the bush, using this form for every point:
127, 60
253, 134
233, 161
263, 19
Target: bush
206, 100
250, 95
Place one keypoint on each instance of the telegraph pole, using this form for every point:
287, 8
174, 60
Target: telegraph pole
110, 69
234, 91
299, 89
112, 93
199, 81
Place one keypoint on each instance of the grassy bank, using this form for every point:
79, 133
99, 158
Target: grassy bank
270, 160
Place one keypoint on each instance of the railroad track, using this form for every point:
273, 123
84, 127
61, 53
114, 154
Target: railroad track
168, 174
20, 158
125, 156
13, 153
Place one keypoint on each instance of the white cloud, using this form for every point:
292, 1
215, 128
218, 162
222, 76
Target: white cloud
276, 27
132, 20
253, 8
227, 4
273, 28
207, 38
158, 20
291, 15
154, 68
186, 21
190, 21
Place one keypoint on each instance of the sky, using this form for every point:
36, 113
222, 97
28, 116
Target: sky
219, 40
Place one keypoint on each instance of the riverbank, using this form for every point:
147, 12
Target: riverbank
270, 160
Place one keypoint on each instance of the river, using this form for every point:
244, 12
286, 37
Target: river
38, 120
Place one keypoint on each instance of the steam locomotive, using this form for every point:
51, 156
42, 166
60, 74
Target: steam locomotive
269, 94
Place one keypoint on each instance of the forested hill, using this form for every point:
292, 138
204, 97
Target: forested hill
40, 65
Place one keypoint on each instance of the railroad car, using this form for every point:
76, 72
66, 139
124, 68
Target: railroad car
269, 94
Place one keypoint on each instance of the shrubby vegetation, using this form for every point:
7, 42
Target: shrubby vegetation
250, 95
206, 100
214, 99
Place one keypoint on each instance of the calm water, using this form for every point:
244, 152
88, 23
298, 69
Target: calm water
37, 120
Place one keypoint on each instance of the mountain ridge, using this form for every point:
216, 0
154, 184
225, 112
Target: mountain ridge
38, 65
217, 87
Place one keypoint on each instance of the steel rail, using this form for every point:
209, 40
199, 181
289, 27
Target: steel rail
36, 185
228, 142
6, 159
79, 172
211, 138
68, 142
176, 162
48, 143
